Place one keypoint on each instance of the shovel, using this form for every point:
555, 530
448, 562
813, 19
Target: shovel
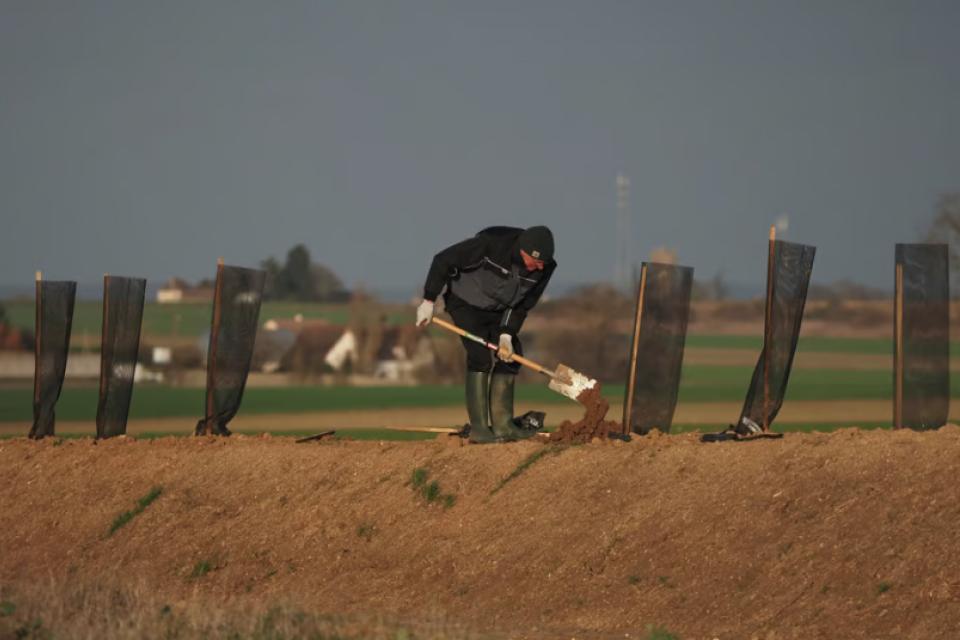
564, 380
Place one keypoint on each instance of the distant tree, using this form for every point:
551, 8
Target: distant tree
327, 286
296, 275
719, 287
271, 282
3, 314
946, 227
301, 279
714, 289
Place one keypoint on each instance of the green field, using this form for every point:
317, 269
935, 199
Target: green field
188, 319
699, 384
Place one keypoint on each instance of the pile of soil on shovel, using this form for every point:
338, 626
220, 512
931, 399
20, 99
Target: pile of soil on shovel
591, 425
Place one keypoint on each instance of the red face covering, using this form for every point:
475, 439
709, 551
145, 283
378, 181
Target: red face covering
531, 263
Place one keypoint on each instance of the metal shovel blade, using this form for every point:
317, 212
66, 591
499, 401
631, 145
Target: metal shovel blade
570, 383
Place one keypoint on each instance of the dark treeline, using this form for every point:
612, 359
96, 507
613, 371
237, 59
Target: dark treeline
301, 279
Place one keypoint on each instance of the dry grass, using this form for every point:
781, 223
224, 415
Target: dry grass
94, 611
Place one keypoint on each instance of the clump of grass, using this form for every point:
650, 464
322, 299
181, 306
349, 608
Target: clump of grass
365, 531
431, 491
419, 477
883, 586
633, 580
32, 629
528, 462
142, 504
7, 608
659, 633
202, 568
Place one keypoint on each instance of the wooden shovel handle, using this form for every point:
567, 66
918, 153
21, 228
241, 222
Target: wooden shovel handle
533, 365
449, 326
469, 336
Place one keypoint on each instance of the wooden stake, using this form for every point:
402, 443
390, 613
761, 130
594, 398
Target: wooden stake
768, 328
104, 328
38, 321
632, 373
414, 428
898, 349
212, 348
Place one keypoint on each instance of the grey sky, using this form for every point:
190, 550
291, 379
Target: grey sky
147, 138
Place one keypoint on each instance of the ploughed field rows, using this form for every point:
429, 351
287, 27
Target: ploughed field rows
848, 534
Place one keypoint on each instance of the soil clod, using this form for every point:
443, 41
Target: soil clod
592, 424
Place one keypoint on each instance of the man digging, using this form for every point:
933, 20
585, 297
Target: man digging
492, 280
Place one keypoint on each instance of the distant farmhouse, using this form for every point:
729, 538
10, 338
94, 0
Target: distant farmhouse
318, 346
177, 290
15, 339
315, 346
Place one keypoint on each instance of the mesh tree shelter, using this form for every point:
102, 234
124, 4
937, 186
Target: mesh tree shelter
54, 318
788, 278
656, 356
236, 310
119, 345
921, 357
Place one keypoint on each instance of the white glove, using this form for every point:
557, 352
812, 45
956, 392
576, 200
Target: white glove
505, 352
424, 313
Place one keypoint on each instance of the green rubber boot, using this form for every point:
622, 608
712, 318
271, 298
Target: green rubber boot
477, 408
502, 386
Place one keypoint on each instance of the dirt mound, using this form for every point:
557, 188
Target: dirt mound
847, 535
591, 425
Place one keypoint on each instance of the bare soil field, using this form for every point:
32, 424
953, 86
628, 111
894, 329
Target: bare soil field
851, 534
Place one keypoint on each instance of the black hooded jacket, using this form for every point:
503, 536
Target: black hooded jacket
487, 272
